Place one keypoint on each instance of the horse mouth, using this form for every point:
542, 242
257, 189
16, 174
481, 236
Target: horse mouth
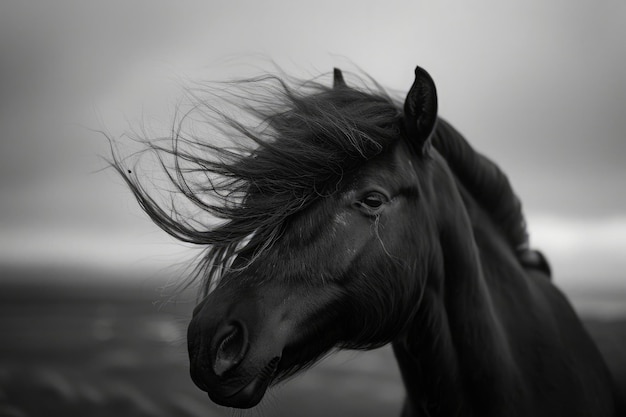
252, 392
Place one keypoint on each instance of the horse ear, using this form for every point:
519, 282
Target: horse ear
420, 110
338, 80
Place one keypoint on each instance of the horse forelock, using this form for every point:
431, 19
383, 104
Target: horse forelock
292, 142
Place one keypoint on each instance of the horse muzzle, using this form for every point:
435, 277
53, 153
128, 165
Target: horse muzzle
233, 356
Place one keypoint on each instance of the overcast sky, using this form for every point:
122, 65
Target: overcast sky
540, 87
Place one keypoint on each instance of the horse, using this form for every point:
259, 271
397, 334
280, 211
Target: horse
355, 220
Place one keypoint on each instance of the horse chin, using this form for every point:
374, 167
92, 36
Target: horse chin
247, 397
252, 391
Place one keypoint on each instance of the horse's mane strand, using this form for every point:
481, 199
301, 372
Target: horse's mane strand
302, 139
486, 183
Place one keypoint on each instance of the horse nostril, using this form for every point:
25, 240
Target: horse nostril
232, 343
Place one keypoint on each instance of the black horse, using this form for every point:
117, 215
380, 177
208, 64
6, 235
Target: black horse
355, 221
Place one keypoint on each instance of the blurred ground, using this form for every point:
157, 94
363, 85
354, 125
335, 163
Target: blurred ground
73, 349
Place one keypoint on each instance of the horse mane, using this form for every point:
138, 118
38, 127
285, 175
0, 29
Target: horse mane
294, 142
486, 183
297, 141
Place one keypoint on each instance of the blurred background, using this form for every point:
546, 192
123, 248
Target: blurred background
540, 87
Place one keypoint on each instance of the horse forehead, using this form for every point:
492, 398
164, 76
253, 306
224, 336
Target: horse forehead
394, 169
400, 164
405, 161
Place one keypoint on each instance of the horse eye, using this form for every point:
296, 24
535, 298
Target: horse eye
373, 201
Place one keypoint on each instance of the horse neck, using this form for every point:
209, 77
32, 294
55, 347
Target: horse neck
455, 358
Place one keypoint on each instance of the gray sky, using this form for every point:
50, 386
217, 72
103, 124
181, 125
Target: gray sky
538, 86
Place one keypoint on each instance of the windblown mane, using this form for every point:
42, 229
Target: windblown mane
302, 138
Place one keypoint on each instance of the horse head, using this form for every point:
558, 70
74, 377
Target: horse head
343, 270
